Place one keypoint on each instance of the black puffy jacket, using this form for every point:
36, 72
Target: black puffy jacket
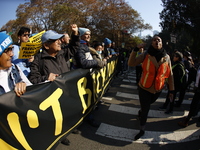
84, 58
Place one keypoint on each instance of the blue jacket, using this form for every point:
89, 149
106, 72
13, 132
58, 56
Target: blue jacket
22, 63
13, 78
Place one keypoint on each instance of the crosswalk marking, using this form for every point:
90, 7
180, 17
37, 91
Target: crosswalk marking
134, 87
107, 98
150, 137
152, 113
132, 77
129, 80
136, 97
128, 86
127, 95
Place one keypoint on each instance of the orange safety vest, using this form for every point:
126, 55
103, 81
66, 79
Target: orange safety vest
151, 75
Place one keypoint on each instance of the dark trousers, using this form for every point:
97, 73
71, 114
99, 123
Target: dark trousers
194, 105
182, 92
170, 104
146, 99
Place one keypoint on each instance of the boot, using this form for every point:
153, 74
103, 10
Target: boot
139, 135
65, 141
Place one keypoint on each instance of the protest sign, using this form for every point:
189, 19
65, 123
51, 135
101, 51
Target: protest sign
32, 47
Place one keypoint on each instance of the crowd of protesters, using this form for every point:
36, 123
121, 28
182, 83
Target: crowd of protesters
60, 53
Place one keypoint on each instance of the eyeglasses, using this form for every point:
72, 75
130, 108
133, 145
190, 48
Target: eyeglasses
8, 50
24, 35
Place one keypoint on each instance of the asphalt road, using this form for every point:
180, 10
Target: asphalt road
117, 116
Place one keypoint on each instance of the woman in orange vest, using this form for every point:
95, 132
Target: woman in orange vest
156, 67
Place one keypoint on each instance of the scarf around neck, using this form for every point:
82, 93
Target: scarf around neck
84, 42
158, 54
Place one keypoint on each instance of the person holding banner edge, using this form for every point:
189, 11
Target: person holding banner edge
52, 61
83, 57
11, 76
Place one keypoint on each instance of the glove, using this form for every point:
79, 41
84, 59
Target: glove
101, 64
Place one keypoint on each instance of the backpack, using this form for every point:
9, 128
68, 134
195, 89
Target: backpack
184, 77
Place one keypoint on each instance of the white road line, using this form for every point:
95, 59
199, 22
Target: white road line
150, 137
127, 95
128, 86
107, 98
129, 80
136, 97
164, 91
131, 77
152, 113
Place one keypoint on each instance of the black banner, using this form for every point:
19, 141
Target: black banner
48, 112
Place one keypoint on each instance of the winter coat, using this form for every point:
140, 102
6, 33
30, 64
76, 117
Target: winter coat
84, 58
179, 74
44, 64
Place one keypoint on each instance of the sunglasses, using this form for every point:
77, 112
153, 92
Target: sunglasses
8, 50
24, 35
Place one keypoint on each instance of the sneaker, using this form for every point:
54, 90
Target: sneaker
93, 123
139, 135
76, 131
65, 141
